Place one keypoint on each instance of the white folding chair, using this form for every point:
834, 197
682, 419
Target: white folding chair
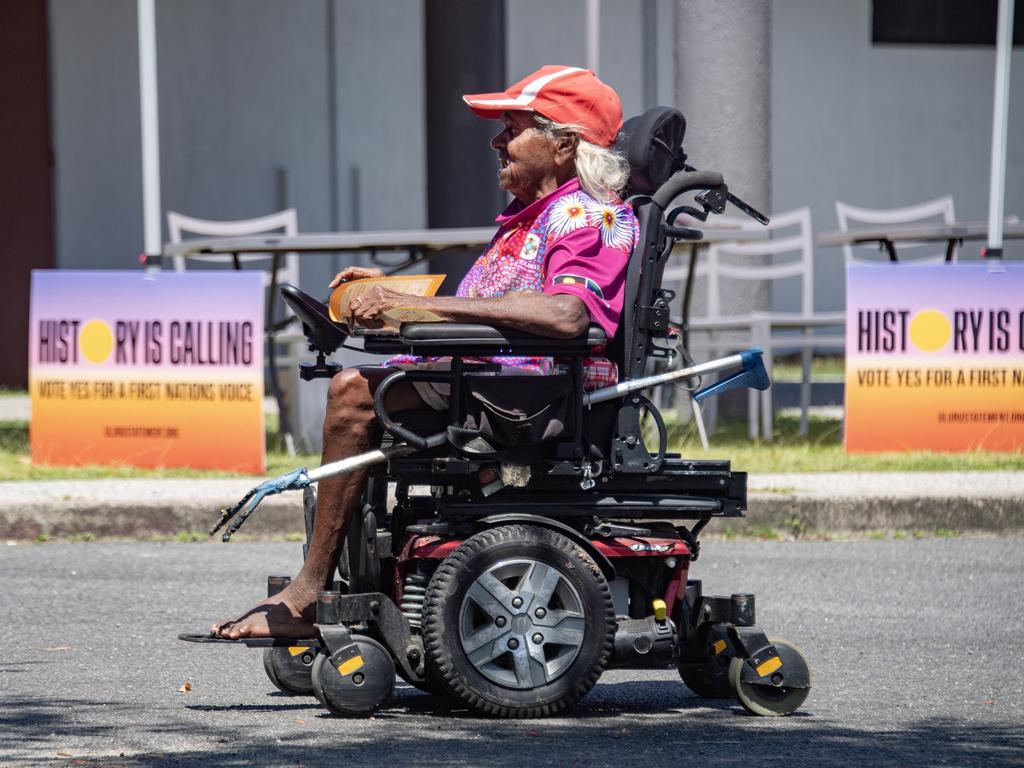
791, 235
911, 214
277, 269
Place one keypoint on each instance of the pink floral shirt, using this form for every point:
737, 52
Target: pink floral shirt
566, 242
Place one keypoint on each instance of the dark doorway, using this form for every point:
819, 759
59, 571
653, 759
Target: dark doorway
26, 190
465, 52
939, 22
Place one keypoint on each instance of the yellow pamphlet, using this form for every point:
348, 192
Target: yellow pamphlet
417, 285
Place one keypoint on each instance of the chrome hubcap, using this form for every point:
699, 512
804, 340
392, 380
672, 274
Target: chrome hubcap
521, 623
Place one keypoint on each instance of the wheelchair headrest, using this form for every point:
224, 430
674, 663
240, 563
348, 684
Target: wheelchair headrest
652, 143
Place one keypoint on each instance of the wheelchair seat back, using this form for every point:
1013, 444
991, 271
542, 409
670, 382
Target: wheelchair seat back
652, 144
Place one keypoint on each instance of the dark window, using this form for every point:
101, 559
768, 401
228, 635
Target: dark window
940, 22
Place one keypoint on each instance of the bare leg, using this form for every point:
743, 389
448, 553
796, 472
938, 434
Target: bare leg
349, 428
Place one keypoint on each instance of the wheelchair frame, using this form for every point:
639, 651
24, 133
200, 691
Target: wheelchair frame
586, 530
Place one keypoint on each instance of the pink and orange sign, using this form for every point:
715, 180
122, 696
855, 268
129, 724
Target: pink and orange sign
934, 357
158, 369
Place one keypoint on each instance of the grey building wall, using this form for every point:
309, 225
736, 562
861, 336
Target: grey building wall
380, 178
246, 90
381, 114
881, 126
243, 94
97, 163
542, 32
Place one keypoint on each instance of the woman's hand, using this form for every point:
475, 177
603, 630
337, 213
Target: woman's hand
355, 273
367, 307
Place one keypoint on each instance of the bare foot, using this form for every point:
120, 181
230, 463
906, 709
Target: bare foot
289, 613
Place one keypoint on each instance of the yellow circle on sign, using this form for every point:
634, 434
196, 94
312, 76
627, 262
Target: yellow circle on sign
930, 330
96, 341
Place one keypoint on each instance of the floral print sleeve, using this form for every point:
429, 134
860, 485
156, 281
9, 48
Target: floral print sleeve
589, 248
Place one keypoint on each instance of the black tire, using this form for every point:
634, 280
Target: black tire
760, 697
290, 672
565, 596
361, 691
710, 679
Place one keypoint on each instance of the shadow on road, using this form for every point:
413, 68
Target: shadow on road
665, 725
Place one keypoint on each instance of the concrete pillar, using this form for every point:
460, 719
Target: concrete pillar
723, 87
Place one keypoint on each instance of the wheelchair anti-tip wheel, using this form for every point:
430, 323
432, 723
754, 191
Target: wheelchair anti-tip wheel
354, 687
760, 695
518, 622
290, 669
710, 679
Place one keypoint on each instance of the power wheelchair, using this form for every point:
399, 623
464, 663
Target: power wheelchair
536, 535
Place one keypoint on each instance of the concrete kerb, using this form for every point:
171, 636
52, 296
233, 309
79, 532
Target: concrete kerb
136, 508
965, 502
845, 515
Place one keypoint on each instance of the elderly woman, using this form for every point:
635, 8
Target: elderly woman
556, 264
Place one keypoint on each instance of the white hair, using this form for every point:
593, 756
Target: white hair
602, 172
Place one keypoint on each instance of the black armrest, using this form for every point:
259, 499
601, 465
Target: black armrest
474, 333
437, 339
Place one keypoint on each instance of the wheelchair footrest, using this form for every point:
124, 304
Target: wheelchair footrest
250, 642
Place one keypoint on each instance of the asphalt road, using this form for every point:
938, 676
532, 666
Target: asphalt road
914, 647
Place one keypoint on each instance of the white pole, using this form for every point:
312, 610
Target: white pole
997, 176
150, 127
593, 34
635, 385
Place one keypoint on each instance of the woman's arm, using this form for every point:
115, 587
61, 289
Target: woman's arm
561, 316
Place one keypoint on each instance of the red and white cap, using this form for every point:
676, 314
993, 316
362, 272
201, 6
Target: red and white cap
568, 95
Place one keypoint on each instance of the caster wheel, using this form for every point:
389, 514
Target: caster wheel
355, 689
759, 695
290, 669
710, 679
518, 622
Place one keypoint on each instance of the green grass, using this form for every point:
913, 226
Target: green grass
822, 451
15, 463
790, 368
763, 532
